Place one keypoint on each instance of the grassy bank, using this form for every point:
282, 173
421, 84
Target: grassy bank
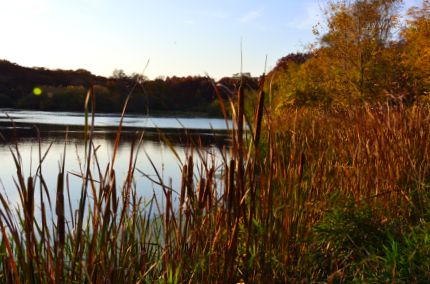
309, 195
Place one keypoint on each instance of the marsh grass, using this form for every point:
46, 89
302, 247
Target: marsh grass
308, 195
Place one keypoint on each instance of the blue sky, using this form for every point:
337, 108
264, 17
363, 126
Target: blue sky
188, 37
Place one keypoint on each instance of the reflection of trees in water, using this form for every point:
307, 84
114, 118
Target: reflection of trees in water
158, 151
108, 134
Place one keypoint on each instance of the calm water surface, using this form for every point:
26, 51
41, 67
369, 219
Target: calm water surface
110, 120
52, 126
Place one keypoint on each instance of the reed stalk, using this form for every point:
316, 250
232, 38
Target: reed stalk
297, 202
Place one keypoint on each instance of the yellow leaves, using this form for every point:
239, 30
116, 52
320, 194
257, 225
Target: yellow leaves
357, 59
416, 51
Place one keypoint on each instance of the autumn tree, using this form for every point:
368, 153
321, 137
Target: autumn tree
355, 57
416, 50
285, 83
358, 33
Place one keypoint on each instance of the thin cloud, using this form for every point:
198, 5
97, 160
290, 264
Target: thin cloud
310, 18
250, 16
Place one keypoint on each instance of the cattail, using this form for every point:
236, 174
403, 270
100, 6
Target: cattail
190, 186
207, 195
61, 234
231, 201
29, 216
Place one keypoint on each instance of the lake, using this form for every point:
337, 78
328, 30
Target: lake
111, 120
209, 136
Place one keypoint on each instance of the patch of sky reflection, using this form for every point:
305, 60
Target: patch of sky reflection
161, 155
110, 120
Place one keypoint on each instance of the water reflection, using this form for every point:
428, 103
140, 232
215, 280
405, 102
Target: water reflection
111, 120
51, 140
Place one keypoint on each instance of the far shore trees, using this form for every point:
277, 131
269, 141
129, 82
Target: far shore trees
65, 90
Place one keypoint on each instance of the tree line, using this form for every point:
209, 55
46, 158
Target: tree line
65, 90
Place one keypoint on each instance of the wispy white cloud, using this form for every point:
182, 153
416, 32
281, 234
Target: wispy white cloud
250, 16
308, 19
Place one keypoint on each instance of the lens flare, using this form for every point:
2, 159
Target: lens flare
37, 91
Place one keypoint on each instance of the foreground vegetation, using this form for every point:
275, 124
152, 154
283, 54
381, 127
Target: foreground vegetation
313, 195
329, 183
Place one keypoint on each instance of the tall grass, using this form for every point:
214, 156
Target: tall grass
309, 195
